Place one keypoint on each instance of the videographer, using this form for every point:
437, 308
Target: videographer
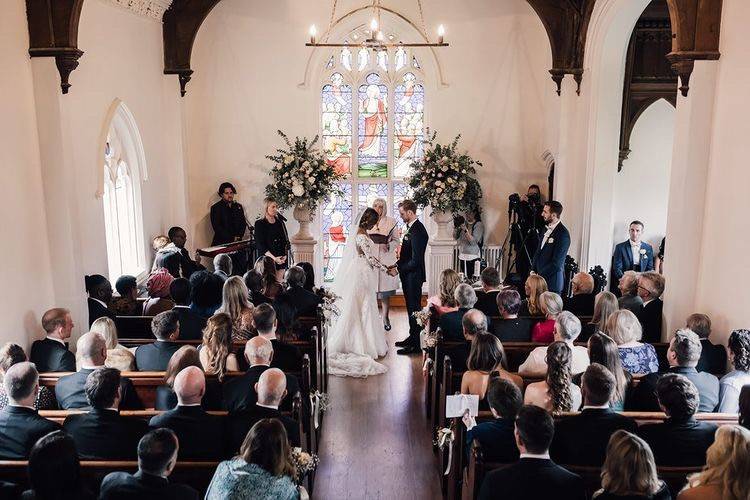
531, 224
468, 231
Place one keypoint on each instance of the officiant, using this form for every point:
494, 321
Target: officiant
271, 237
386, 235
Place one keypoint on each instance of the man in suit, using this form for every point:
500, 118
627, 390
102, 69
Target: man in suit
285, 356
582, 301
100, 294
629, 298
713, 356
191, 323
223, 266
549, 259
154, 357
239, 392
450, 323
20, 424
410, 268
497, 435
473, 323
271, 389
511, 328
188, 266
681, 440
201, 435
535, 475
582, 439
305, 301
51, 354
650, 288
102, 434
487, 298
70, 390
157, 457
632, 255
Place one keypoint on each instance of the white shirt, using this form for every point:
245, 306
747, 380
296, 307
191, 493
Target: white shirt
102, 303
540, 456
635, 248
56, 339
536, 363
550, 227
593, 407
267, 406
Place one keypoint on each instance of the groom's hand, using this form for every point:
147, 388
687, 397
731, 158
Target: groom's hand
393, 271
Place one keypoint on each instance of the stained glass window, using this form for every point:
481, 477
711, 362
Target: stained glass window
408, 124
368, 192
336, 221
401, 192
336, 124
373, 128
346, 58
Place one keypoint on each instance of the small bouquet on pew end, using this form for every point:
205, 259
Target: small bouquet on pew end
304, 464
329, 307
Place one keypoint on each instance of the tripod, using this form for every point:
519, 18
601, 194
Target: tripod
514, 229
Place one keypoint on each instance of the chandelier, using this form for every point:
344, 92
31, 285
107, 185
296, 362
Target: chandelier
376, 40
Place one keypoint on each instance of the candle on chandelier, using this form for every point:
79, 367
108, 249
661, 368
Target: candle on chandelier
374, 25
379, 36
441, 33
313, 32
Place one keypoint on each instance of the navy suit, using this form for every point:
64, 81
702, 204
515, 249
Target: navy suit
412, 272
623, 260
549, 259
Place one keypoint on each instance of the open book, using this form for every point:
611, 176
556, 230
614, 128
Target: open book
382, 239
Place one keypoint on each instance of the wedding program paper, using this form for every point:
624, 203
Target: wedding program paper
455, 406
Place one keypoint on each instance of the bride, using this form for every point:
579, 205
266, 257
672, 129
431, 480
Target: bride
358, 336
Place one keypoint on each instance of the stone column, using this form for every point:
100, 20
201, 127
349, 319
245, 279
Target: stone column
303, 243
441, 251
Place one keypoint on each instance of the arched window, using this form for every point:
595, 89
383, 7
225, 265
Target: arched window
384, 121
123, 166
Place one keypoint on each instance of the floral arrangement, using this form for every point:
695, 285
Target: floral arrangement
301, 177
304, 463
328, 306
445, 178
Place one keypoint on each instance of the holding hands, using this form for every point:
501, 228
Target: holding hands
392, 270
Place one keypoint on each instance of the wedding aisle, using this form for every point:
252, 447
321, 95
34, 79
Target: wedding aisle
375, 443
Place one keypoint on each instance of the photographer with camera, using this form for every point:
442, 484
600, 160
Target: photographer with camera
527, 223
468, 231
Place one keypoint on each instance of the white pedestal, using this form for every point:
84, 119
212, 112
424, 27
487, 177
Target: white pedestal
441, 251
303, 249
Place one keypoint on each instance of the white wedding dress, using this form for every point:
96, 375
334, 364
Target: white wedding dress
357, 337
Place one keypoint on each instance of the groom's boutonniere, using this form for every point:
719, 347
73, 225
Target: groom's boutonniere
643, 251
550, 240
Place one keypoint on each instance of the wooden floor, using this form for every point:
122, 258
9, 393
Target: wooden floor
375, 442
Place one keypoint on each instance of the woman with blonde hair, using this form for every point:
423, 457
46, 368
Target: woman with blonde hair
235, 302
271, 238
605, 304
551, 305
535, 286
386, 236
557, 393
117, 356
215, 353
725, 476
629, 471
444, 301
626, 331
486, 359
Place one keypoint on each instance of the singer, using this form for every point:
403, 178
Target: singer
271, 238
229, 224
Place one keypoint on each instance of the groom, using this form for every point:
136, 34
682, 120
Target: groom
410, 268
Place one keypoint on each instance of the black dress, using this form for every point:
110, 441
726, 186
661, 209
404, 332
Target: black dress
271, 238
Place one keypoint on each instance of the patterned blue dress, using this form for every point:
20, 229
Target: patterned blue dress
639, 359
239, 480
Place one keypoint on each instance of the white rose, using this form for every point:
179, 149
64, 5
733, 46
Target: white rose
444, 158
288, 159
440, 175
439, 190
444, 168
305, 163
298, 190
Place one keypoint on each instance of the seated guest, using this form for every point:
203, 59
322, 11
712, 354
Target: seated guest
681, 440
713, 356
70, 389
188, 266
266, 267
127, 302
154, 357
496, 435
305, 301
633, 254
603, 350
99, 290
650, 288
486, 357
287, 318
261, 470
271, 390
727, 468
201, 435
20, 424
157, 457
629, 298
309, 284
534, 475
102, 433
637, 358
474, 322
216, 354
604, 305
205, 293
744, 417
732, 382
582, 301
223, 266
511, 328
51, 354
567, 328
254, 284
236, 304
629, 471
487, 298
118, 356
191, 323
450, 323
544, 331
557, 393
535, 286
157, 287
285, 356
11, 354
239, 393
445, 301
184, 357
55, 470
582, 439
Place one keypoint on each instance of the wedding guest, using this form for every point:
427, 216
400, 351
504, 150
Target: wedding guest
188, 266
261, 470
386, 236
496, 435
485, 358
216, 354
727, 468
650, 288
168, 258
154, 357
511, 328
544, 331
11, 354
205, 293
567, 328
487, 298
236, 304
118, 356
732, 382
603, 350
629, 298
266, 267
126, 304
444, 302
713, 356
55, 470
535, 286
629, 471
99, 290
306, 302
549, 258
557, 393
272, 241
474, 323
744, 417
309, 284
287, 314
191, 323
469, 235
286, 356
223, 266
637, 357
51, 354
582, 301
633, 254
254, 283
450, 323
158, 292
186, 356
604, 305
